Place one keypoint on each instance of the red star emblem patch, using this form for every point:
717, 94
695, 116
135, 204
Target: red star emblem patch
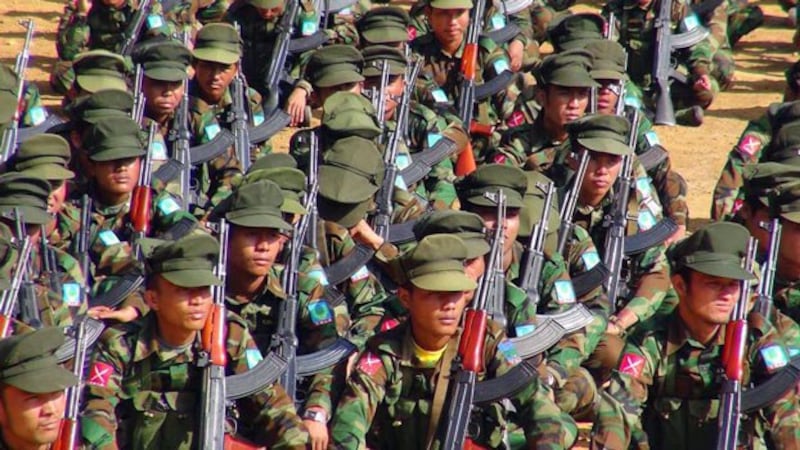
369, 364
749, 146
100, 373
631, 364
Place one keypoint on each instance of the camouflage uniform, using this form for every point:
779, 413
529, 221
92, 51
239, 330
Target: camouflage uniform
32, 111
721, 47
193, 15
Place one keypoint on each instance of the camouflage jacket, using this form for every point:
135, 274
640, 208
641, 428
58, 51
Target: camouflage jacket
388, 398
493, 19
141, 393
666, 389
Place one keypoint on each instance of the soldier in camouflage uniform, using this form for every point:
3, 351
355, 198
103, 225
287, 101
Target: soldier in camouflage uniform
635, 25
665, 391
390, 396
99, 25
744, 18
144, 382
718, 21
216, 62
423, 126
192, 15
32, 399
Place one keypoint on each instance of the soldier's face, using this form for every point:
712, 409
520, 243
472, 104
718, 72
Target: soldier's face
789, 255
434, 315
30, 420
607, 95
162, 96
116, 4
270, 14
116, 177
253, 251
394, 91
601, 173
214, 78
448, 25
510, 226
564, 104
57, 198
706, 299
179, 309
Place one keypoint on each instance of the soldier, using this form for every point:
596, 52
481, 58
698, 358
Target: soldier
385, 25
216, 58
666, 384
32, 111
718, 23
125, 408
390, 399
191, 16
32, 385
563, 97
637, 35
743, 18
93, 71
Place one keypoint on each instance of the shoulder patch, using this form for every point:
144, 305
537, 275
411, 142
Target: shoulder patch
564, 292
369, 363
168, 205
501, 65
252, 356
509, 352
320, 312
690, 22
71, 294
389, 324
633, 101
211, 130
108, 238
748, 146
646, 220
433, 138
774, 357
522, 330
37, 115
590, 259
643, 185
159, 150
258, 118
632, 364
308, 26
318, 274
516, 119
360, 274
412, 33
154, 21
100, 373
439, 96
498, 21
652, 138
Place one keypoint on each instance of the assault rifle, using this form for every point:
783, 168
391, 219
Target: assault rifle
137, 112
502, 33
135, 28
616, 221
312, 187
384, 196
10, 297
68, 433
239, 121
733, 355
533, 259
8, 144
570, 202
49, 263
764, 300
213, 357
180, 136
142, 198
469, 360
663, 69
83, 239
28, 303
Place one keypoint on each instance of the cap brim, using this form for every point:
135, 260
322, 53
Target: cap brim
513, 199
608, 74
116, 153
444, 282
94, 83
344, 214
44, 380
338, 78
292, 206
244, 218
385, 35
476, 247
793, 216
50, 172
215, 55
30, 214
165, 74
343, 186
722, 269
604, 145
464, 4
191, 278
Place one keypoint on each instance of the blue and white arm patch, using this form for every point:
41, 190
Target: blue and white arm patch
775, 357
522, 330
37, 115
320, 312
652, 138
439, 96
433, 138
168, 206
253, 357
211, 130
498, 21
154, 21
509, 352
71, 294
108, 238
318, 274
564, 292
590, 259
360, 274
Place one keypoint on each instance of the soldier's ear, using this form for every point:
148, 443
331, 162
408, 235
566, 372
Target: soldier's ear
404, 294
151, 298
680, 285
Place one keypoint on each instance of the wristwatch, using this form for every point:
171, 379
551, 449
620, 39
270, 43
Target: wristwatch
316, 416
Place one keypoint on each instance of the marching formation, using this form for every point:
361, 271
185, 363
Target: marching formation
479, 243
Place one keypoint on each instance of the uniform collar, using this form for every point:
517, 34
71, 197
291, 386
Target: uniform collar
148, 342
678, 336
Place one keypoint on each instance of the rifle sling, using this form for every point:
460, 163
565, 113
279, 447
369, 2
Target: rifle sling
493, 86
344, 268
440, 392
119, 292
653, 157
503, 35
265, 373
423, 162
640, 242
766, 393
28, 132
586, 282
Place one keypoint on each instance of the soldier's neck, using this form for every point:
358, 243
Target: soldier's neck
787, 270
700, 331
452, 47
13, 443
430, 343
243, 285
112, 199
174, 337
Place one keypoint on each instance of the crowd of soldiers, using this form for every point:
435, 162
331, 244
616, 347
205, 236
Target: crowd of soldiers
476, 244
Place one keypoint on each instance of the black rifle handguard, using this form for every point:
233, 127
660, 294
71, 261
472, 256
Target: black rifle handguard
255, 380
507, 385
28, 132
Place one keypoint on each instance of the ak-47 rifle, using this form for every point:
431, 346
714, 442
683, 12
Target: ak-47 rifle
142, 198
82, 244
469, 360
733, 355
502, 33
137, 112
469, 65
10, 297
616, 221
213, 357
28, 303
570, 202
383, 198
280, 50
68, 433
180, 136
764, 300
533, 259
240, 122
135, 28
8, 144
312, 187
49, 263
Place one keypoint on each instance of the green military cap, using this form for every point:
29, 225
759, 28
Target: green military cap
272, 160
266, 4
8, 79
113, 138
376, 55
8, 94
763, 180
780, 114
345, 214
96, 70
352, 170
533, 202
569, 68
785, 201
26, 193
437, 264
467, 226
218, 42
785, 146
488, 179
451, 4
188, 262
601, 133
716, 249
28, 362
257, 205
334, 65
348, 114
292, 183
609, 60
46, 156
101, 104
166, 60
384, 25
573, 30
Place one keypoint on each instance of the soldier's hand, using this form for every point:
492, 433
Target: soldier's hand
676, 236
126, 314
363, 232
515, 52
702, 83
296, 106
318, 433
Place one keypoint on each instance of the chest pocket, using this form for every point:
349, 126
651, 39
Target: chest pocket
408, 409
106, 28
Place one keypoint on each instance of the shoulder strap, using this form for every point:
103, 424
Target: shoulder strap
440, 392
